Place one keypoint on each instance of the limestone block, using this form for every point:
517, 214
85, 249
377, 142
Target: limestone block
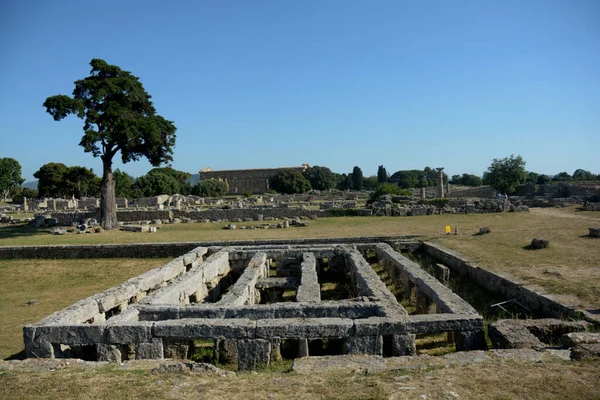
108, 352
253, 354
72, 335
276, 349
403, 345
178, 349
470, 340
303, 348
364, 345
585, 351
205, 328
575, 338
39, 349
227, 351
130, 333
189, 258
308, 292
152, 350
304, 328
435, 323
77, 313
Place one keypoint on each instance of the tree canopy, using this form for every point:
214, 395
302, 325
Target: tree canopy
210, 188
320, 178
289, 181
155, 184
467, 180
382, 175
357, 178
118, 117
10, 176
428, 177
58, 180
505, 174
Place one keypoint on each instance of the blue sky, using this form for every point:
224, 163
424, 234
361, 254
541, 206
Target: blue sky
258, 84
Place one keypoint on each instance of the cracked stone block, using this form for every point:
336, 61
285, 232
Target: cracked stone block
585, 351
505, 334
253, 354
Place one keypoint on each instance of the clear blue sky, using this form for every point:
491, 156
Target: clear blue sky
255, 84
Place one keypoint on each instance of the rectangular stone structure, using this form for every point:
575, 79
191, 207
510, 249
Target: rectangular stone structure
160, 313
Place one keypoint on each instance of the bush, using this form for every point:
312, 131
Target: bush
388, 188
210, 188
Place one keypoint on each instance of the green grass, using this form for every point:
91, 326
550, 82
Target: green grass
51, 285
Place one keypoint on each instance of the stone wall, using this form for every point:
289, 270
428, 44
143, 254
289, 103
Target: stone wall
495, 283
246, 180
156, 250
71, 218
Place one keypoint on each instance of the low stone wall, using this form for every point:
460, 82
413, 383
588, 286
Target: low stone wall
71, 218
495, 283
156, 250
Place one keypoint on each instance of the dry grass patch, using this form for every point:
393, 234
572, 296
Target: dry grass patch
486, 380
569, 267
51, 285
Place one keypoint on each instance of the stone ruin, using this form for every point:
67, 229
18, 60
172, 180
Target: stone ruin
251, 305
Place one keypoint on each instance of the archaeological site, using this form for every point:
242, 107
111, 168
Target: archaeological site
252, 303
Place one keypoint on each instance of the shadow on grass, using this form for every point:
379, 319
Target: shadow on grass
13, 231
17, 356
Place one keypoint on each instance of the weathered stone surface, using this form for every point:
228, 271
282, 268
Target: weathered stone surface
108, 352
585, 351
75, 335
403, 345
576, 338
39, 349
178, 349
470, 340
151, 350
364, 345
304, 328
130, 333
505, 334
205, 328
253, 354
226, 351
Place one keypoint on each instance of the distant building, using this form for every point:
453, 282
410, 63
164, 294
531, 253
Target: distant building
246, 180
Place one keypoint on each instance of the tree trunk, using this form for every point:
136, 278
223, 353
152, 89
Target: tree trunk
108, 203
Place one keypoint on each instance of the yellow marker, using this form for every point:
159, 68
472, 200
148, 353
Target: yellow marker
448, 229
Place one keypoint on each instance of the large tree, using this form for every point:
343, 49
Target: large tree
320, 178
118, 116
10, 176
357, 178
505, 174
382, 175
289, 181
51, 180
58, 180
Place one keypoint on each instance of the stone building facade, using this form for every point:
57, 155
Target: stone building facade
246, 180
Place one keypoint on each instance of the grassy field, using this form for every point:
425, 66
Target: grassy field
570, 267
33, 289
484, 380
